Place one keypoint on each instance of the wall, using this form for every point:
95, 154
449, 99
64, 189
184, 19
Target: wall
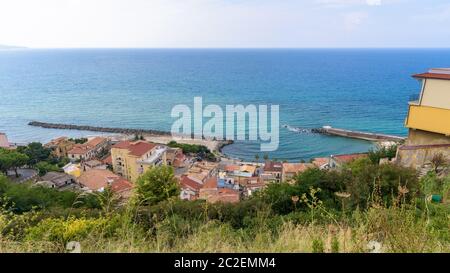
436, 93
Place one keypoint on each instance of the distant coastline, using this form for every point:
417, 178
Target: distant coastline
9, 47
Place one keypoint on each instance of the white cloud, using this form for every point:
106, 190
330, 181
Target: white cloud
373, 2
354, 19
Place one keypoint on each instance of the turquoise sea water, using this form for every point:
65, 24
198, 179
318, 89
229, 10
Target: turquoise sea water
361, 89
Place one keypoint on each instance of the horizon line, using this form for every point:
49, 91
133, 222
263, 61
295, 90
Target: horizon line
406, 47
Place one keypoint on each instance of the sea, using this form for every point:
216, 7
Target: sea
358, 89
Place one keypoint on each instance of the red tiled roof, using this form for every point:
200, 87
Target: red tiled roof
348, 157
95, 141
78, 149
232, 168
320, 161
296, 167
187, 182
138, 148
432, 76
210, 183
121, 185
84, 148
108, 160
96, 179
271, 166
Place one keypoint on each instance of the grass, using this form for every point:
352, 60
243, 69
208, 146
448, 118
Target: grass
396, 229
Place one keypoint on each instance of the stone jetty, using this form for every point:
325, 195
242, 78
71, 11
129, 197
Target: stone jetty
126, 131
328, 130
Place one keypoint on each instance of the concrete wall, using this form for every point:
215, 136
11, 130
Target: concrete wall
436, 93
415, 153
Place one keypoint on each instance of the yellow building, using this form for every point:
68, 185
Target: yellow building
132, 159
428, 120
60, 146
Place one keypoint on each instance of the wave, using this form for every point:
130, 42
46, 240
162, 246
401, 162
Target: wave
298, 130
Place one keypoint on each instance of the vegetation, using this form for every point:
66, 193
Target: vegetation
350, 210
45, 167
383, 152
36, 153
11, 160
156, 185
192, 149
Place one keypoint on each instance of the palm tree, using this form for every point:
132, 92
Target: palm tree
266, 157
257, 158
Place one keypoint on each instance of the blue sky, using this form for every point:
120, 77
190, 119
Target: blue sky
225, 23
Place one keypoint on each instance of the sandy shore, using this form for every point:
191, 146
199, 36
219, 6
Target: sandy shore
213, 145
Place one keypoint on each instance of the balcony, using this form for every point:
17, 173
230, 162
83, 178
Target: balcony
429, 119
155, 158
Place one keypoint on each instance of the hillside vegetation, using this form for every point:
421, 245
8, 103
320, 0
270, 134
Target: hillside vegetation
364, 207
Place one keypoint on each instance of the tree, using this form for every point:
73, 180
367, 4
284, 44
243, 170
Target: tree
266, 157
12, 160
45, 167
257, 157
36, 152
438, 160
156, 185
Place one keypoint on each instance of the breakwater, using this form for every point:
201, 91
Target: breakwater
328, 130
126, 131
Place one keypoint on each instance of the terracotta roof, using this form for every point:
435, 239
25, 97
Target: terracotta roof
97, 179
432, 76
320, 161
78, 149
271, 166
296, 167
348, 157
187, 182
108, 160
120, 185
138, 148
232, 168
95, 141
210, 183
84, 148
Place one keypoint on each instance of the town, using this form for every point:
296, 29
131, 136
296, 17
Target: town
95, 163
116, 162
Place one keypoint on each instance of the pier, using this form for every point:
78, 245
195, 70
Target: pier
328, 130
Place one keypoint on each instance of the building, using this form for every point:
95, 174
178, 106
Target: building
57, 180
93, 164
272, 171
72, 169
322, 163
88, 150
176, 158
190, 189
201, 171
428, 120
4, 143
337, 161
131, 159
60, 146
213, 193
292, 169
99, 180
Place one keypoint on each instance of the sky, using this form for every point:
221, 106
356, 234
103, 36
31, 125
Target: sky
224, 23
